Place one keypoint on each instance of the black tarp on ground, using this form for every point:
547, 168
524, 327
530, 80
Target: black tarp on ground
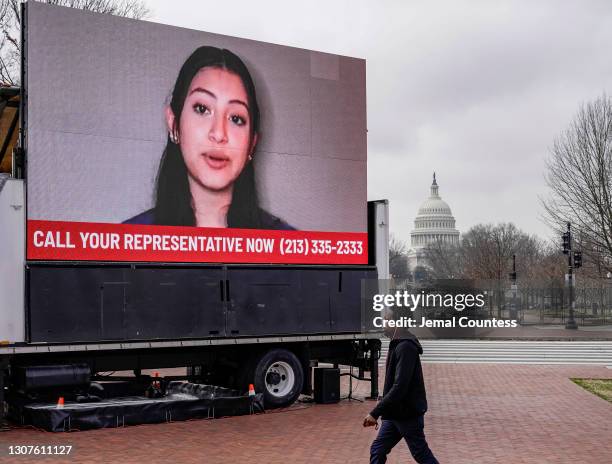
182, 401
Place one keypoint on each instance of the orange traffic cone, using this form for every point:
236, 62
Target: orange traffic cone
60, 402
251, 390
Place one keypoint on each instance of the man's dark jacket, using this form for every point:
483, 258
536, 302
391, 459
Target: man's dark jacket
404, 393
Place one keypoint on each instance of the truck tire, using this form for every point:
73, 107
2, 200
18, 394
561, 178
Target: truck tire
279, 375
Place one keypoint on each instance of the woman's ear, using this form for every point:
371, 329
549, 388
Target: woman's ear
170, 123
253, 145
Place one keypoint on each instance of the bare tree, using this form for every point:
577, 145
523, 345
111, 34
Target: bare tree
550, 269
488, 250
485, 254
580, 179
398, 257
10, 27
445, 260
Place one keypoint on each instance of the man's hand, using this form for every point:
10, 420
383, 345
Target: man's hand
369, 421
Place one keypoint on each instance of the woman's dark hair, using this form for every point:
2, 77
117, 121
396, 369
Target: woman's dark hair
173, 197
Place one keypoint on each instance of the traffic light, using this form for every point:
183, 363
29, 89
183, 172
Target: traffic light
567, 242
577, 259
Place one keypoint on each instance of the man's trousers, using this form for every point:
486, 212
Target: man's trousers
392, 431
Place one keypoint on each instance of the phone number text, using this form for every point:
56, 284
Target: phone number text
320, 247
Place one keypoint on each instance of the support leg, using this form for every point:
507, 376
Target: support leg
374, 346
3, 369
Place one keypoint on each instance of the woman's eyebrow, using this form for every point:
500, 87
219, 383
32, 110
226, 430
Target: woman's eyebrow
212, 95
240, 102
203, 90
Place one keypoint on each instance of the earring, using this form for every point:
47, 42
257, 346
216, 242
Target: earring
174, 138
250, 157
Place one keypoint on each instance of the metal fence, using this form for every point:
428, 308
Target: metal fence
533, 305
592, 306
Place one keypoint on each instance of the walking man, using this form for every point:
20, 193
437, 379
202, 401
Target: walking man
403, 404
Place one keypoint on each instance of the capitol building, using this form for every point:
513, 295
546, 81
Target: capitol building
434, 222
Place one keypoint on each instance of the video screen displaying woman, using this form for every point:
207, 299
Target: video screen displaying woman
206, 148
206, 176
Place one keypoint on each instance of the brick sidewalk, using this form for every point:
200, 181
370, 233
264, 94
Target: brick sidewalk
479, 413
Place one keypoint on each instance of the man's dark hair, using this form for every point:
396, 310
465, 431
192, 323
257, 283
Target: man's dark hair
398, 332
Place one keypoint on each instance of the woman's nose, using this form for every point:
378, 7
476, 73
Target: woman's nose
217, 133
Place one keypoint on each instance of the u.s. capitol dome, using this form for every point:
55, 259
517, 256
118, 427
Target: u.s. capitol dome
434, 223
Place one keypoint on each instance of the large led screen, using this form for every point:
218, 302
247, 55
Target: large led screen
152, 143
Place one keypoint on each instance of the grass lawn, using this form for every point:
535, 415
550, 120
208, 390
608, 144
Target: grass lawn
600, 387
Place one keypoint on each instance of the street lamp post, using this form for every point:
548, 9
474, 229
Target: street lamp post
514, 288
571, 322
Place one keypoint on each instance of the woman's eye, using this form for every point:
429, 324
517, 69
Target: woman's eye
238, 120
201, 109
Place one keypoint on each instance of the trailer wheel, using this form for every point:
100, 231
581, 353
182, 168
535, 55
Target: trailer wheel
279, 375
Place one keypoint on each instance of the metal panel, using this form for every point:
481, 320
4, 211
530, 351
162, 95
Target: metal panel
79, 303
295, 300
175, 303
73, 304
178, 343
346, 303
112, 310
262, 302
313, 301
12, 246
378, 228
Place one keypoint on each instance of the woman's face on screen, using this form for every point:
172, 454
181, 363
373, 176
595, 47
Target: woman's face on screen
215, 128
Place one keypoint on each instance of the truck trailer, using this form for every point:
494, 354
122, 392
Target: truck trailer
66, 316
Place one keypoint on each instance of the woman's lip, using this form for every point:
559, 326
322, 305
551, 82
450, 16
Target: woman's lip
216, 161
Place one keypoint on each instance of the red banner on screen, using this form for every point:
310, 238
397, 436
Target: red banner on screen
87, 241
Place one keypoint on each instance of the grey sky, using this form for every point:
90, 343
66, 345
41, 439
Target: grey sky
475, 90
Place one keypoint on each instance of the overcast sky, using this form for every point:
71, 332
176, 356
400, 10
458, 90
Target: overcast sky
475, 90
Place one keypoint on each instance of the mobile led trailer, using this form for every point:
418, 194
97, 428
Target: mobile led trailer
192, 200
151, 143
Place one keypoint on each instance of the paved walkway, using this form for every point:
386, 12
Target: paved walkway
479, 413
